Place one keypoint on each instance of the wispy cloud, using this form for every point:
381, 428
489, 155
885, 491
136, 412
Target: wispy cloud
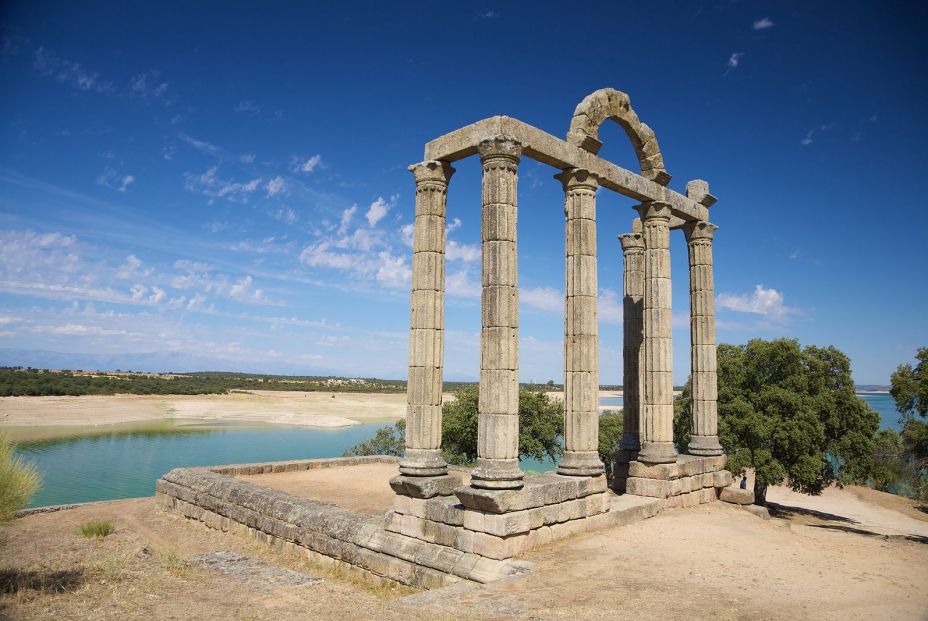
810, 135
211, 185
276, 186
199, 145
306, 165
111, 179
546, 299
69, 73
248, 106
763, 23
149, 87
762, 301
733, 61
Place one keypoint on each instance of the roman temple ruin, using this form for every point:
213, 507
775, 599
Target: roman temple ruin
449, 524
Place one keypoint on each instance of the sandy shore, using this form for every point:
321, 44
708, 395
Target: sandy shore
312, 409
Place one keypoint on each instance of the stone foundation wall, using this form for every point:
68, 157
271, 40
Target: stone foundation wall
690, 481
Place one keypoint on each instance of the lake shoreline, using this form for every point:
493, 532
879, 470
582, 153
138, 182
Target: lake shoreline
41, 418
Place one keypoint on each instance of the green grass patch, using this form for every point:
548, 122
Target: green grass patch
97, 528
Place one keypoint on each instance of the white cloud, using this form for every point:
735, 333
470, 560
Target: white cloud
310, 164
394, 272
762, 301
378, 209
468, 253
276, 186
157, 295
132, 268
346, 219
247, 158
407, 234
610, 307
286, 215
111, 179
69, 73
211, 185
460, 284
810, 135
453, 225
249, 107
763, 23
243, 290
734, 60
199, 145
546, 299
148, 87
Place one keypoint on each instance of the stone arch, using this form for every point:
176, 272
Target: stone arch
608, 103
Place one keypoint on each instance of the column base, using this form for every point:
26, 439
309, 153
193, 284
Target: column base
426, 487
580, 464
423, 463
497, 474
657, 453
704, 446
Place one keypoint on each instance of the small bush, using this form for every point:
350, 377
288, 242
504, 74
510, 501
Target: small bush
97, 528
18, 480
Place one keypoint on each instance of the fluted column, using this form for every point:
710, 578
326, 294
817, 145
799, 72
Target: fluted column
427, 323
581, 333
633, 284
705, 436
498, 422
657, 374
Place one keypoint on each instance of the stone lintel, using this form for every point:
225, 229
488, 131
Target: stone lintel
543, 147
426, 487
540, 490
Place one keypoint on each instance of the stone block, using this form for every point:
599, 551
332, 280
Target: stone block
426, 487
721, 478
736, 495
498, 548
445, 509
664, 472
760, 512
507, 524
707, 494
655, 488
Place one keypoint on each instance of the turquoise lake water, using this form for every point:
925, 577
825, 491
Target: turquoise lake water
126, 464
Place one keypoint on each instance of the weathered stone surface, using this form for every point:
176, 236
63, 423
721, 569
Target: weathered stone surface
539, 490
736, 495
759, 511
426, 487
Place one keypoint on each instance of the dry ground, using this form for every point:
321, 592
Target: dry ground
712, 562
29, 416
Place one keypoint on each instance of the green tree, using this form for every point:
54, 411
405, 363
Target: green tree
910, 391
610, 436
791, 414
387, 441
18, 480
541, 424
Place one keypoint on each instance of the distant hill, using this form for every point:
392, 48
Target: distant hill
872, 388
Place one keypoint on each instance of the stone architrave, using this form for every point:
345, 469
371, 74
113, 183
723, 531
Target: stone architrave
498, 423
427, 323
581, 333
704, 439
633, 284
657, 372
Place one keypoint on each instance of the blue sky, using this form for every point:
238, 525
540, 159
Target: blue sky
220, 185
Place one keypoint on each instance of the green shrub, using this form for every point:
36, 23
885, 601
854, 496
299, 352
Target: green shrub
18, 480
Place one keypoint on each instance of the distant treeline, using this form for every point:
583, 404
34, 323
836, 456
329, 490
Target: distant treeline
17, 381
26, 381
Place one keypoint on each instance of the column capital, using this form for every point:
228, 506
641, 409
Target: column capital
631, 242
434, 171
578, 179
698, 190
699, 229
500, 147
654, 210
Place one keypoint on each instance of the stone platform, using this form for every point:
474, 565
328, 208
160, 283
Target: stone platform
472, 535
690, 481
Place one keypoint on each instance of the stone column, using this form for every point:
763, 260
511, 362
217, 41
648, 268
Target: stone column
427, 323
581, 333
498, 423
705, 438
657, 374
633, 284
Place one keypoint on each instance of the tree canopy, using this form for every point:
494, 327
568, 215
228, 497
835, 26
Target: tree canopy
790, 413
910, 391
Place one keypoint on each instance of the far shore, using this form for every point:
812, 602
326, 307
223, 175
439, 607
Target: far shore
309, 409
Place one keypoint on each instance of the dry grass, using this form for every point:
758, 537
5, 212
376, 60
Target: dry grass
97, 528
